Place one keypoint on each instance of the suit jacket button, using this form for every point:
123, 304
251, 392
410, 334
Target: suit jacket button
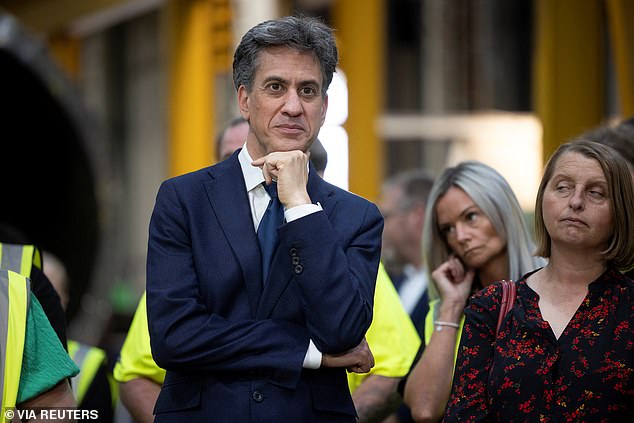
295, 260
293, 251
257, 396
299, 269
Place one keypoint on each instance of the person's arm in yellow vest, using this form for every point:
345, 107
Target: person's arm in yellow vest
139, 376
394, 342
376, 398
139, 396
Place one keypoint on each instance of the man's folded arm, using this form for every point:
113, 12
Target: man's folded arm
337, 276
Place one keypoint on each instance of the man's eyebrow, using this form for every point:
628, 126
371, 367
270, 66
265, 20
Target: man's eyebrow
274, 78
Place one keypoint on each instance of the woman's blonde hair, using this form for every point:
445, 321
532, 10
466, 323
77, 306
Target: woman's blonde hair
494, 196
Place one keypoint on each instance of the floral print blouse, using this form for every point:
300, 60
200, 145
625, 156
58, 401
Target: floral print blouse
528, 375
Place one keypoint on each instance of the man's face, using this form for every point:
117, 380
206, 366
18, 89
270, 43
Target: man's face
398, 231
232, 139
285, 107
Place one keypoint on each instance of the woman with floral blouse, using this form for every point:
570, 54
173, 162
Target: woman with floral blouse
565, 351
474, 234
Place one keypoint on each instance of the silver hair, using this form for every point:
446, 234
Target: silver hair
301, 33
494, 196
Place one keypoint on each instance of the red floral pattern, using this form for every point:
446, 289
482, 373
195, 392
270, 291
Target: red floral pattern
530, 376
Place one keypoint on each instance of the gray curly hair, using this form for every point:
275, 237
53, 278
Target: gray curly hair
302, 33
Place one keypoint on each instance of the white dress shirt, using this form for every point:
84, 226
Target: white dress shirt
413, 287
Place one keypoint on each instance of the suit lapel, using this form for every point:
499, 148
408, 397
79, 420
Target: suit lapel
319, 192
228, 197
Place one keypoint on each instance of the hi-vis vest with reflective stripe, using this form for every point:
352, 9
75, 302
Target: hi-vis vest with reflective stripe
88, 359
15, 294
20, 258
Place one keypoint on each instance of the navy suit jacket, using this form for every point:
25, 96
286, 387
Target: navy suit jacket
232, 344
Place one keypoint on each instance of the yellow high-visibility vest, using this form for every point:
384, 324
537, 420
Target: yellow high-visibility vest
434, 310
88, 359
392, 336
135, 358
15, 294
20, 258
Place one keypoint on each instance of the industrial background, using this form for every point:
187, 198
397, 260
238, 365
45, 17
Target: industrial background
101, 100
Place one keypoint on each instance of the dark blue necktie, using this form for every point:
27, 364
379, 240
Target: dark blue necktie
267, 230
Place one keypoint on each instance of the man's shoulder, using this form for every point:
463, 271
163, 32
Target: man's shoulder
200, 175
343, 195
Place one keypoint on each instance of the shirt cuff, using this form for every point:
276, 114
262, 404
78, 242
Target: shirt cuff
312, 360
296, 212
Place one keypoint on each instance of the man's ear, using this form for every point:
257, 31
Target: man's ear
243, 102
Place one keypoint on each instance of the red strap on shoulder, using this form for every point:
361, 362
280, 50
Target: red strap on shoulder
509, 292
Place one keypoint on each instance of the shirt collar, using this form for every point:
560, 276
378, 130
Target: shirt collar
252, 174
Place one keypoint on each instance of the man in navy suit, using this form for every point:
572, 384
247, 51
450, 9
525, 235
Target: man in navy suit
241, 344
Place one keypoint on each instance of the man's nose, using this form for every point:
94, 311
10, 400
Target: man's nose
293, 104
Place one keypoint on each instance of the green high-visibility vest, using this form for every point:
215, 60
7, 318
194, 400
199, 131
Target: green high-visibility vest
15, 291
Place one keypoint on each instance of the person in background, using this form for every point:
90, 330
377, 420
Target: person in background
231, 138
93, 387
34, 363
247, 303
14, 256
403, 201
620, 137
475, 233
391, 337
319, 157
564, 352
35, 366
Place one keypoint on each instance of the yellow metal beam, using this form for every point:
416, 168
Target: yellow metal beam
191, 84
568, 85
621, 24
362, 51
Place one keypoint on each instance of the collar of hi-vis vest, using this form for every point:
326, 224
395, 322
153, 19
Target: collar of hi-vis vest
20, 258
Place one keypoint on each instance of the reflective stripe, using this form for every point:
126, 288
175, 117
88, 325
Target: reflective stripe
37, 258
4, 329
15, 298
19, 258
114, 390
88, 359
429, 320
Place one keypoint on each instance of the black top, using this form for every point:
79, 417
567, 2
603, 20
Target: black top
587, 375
48, 298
